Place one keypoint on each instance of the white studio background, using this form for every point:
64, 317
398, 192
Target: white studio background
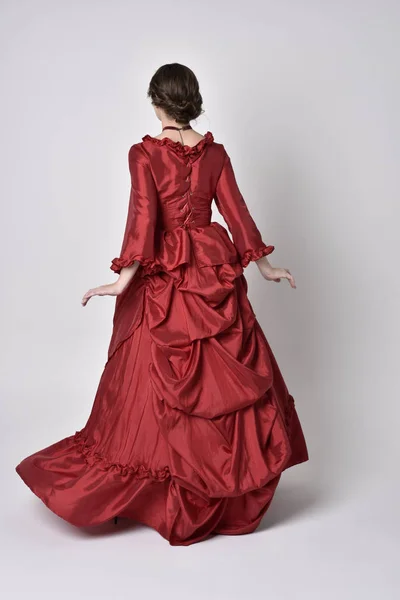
305, 97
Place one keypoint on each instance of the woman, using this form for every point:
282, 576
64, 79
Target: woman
192, 423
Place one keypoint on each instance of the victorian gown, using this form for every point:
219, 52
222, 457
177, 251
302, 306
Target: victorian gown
192, 424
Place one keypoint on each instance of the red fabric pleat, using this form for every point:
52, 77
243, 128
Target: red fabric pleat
192, 424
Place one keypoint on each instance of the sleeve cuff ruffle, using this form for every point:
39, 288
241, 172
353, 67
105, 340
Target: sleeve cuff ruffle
250, 255
119, 263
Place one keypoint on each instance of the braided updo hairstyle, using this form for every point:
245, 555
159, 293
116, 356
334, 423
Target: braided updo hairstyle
175, 89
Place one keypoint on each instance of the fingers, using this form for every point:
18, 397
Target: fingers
285, 274
89, 294
290, 278
85, 300
102, 290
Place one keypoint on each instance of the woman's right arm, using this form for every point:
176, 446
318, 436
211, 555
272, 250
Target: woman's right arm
138, 241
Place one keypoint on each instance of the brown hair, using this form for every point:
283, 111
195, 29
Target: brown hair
175, 89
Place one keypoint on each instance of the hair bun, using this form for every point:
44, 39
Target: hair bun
175, 89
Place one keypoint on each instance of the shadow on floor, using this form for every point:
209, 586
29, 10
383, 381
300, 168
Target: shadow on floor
291, 500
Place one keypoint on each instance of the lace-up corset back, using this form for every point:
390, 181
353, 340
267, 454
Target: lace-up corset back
185, 195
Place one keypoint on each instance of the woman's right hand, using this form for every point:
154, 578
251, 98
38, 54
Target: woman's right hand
109, 289
113, 289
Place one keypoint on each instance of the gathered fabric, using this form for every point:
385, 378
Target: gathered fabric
192, 424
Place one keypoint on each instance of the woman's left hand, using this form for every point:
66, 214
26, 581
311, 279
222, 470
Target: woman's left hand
271, 273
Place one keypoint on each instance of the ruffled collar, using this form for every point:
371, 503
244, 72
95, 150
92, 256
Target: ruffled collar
182, 150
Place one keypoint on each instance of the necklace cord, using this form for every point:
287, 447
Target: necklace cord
178, 129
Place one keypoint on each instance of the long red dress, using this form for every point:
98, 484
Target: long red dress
192, 423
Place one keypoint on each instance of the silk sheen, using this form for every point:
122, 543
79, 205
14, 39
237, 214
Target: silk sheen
192, 424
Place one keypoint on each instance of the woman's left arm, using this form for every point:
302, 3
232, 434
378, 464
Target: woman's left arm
245, 233
232, 206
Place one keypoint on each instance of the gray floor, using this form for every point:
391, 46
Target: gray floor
308, 546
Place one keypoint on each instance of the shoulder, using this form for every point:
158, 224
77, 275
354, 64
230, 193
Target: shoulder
219, 146
219, 155
138, 153
218, 150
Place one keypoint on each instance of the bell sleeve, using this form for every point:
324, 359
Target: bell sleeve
138, 239
232, 206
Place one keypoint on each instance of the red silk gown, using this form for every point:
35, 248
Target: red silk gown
192, 423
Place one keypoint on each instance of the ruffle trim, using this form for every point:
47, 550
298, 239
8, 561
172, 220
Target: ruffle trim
148, 264
176, 247
182, 150
94, 458
250, 255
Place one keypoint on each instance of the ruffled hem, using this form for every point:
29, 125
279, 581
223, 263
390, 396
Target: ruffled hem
251, 255
94, 458
182, 150
199, 492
